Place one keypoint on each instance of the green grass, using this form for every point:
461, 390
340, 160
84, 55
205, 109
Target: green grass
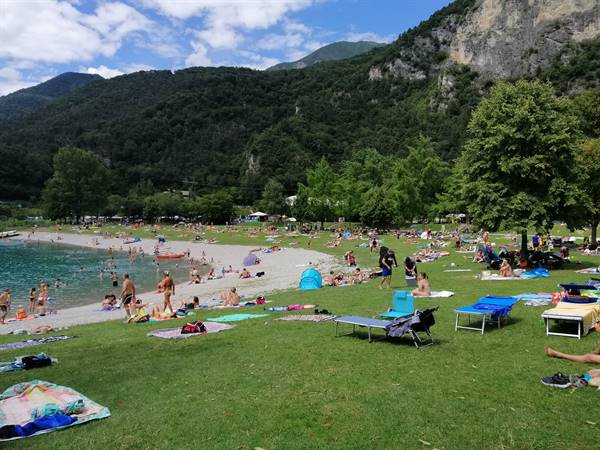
275, 384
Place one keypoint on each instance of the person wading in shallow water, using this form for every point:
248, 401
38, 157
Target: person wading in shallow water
168, 286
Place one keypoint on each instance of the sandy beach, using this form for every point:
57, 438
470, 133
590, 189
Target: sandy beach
282, 271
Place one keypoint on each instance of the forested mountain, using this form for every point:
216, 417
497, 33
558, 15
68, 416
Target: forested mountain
26, 100
332, 52
228, 127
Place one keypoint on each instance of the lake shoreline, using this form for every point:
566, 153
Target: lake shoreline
282, 271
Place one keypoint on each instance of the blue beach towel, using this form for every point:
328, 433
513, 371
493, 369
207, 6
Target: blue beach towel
236, 317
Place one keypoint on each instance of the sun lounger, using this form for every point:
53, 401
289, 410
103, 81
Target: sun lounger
419, 322
403, 305
486, 309
583, 315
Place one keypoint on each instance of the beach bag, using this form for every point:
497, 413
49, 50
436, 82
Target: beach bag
260, 300
190, 328
32, 362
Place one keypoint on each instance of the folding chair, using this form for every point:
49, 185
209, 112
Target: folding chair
403, 305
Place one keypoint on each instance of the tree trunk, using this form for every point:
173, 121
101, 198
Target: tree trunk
524, 250
595, 230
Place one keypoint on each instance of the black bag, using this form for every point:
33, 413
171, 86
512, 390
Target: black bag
32, 362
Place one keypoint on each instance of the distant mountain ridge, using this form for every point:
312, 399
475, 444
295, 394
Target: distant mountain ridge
29, 99
332, 52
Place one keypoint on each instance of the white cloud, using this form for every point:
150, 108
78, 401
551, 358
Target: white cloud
53, 31
275, 41
257, 61
103, 71
199, 57
369, 36
12, 80
224, 22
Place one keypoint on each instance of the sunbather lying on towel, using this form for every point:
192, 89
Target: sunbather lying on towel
593, 357
423, 287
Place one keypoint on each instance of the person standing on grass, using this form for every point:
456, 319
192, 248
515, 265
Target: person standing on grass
386, 268
168, 286
4, 304
128, 295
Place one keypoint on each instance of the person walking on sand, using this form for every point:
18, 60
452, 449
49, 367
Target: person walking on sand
128, 295
4, 304
168, 286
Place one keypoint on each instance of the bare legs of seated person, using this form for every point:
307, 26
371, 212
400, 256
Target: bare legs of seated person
593, 357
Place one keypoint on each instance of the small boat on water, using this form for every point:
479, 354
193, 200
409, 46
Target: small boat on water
170, 255
7, 234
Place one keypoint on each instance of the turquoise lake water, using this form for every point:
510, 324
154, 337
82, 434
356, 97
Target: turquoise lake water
24, 264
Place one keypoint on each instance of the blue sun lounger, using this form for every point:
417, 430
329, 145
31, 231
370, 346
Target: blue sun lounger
487, 309
364, 322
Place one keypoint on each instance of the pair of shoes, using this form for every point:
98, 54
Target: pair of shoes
323, 311
561, 381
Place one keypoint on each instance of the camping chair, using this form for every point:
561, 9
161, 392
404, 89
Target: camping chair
403, 305
488, 309
419, 322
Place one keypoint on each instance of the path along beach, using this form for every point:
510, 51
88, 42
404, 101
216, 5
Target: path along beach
282, 271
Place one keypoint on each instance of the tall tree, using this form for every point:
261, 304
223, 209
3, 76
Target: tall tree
519, 162
273, 198
366, 169
378, 209
586, 213
418, 179
79, 185
319, 194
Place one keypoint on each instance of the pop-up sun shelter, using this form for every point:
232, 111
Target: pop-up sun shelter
250, 260
311, 279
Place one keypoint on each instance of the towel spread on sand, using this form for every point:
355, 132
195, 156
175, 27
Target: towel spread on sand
31, 342
309, 317
23, 402
175, 333
236, 317
589, 312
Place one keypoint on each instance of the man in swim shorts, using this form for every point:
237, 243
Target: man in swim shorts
128, 295
4, 304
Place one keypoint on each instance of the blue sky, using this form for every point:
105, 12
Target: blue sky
40, 39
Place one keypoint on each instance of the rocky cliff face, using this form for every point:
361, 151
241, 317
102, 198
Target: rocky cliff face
512, 38
496, 38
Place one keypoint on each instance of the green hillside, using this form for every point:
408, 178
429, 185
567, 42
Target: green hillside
26, 100
230, 127
332, 52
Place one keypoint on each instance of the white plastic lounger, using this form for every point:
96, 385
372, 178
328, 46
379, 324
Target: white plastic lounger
364, 322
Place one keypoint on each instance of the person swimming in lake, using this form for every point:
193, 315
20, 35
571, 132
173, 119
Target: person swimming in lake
423, 287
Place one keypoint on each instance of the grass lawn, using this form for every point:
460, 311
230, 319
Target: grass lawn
286, 385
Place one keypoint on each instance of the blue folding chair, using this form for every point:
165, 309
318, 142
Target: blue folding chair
489, 309
403, 305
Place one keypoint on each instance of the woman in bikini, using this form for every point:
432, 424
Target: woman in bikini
169, 290
423, 287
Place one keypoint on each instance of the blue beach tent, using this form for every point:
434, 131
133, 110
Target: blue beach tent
310, 280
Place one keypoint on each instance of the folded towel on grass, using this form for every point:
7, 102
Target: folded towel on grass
309, 317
